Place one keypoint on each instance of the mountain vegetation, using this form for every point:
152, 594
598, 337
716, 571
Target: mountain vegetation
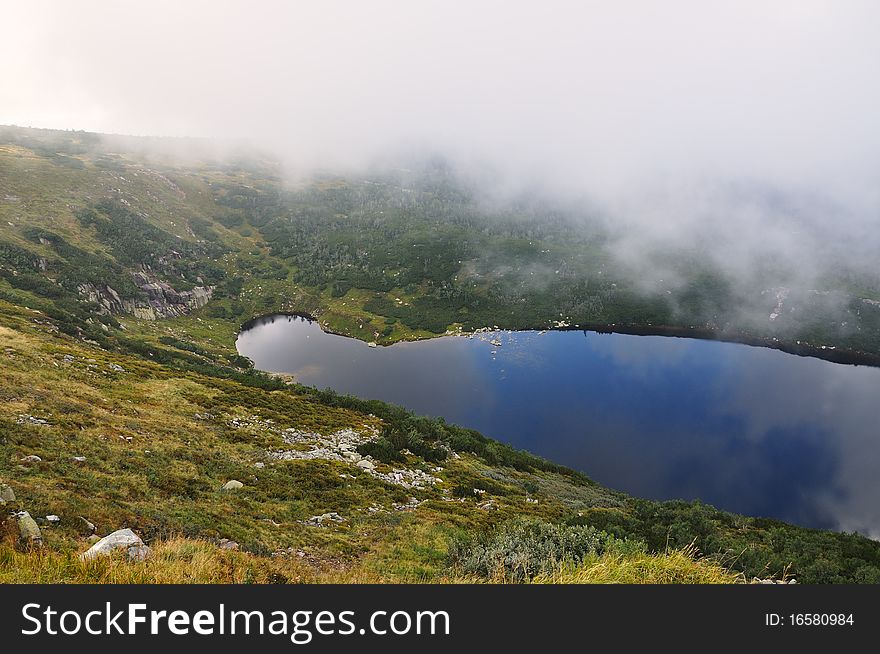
125, 275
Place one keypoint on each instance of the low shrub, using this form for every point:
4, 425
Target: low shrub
521, 549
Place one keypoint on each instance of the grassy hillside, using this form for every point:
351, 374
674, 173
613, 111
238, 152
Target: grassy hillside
400, 254
124, 277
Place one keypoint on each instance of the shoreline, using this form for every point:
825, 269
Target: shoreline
825, 353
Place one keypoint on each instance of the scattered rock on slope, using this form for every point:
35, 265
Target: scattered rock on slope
121, 539
319, 520
232, 485
29, 535
6, 493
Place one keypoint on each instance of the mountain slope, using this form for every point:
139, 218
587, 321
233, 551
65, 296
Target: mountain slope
124, 277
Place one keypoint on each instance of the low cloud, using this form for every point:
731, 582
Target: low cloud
750, 130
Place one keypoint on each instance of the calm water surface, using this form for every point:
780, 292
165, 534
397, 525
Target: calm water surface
751, 430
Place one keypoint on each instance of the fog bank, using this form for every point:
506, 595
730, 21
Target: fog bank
666, 117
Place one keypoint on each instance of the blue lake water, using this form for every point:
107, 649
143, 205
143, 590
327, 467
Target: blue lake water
747, 429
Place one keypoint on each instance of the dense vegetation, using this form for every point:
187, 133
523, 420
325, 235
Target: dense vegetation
422, 250
164, 412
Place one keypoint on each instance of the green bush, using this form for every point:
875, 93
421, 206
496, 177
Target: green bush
382, 450
522, 548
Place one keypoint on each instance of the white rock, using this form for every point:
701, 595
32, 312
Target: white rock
325, 517
232, 485
118, 540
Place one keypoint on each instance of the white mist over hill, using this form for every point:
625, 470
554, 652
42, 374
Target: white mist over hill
753, 126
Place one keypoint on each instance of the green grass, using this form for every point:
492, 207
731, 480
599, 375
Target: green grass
188, 561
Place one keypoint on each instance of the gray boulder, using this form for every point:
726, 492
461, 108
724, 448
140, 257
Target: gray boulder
29, 535
6, 493
122, 539
232, 485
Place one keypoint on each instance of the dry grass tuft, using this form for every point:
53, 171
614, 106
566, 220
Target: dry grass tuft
673, 567
175, 561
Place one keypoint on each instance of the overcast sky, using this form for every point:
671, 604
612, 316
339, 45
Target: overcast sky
590, 94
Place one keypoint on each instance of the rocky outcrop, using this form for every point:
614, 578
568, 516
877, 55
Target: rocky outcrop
324, 519
122, 539
105, 297
160, 300
342, 446
166, 302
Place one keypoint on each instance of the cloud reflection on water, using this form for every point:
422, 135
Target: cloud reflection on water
748, 429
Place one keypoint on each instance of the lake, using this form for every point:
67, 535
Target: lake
747, 429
